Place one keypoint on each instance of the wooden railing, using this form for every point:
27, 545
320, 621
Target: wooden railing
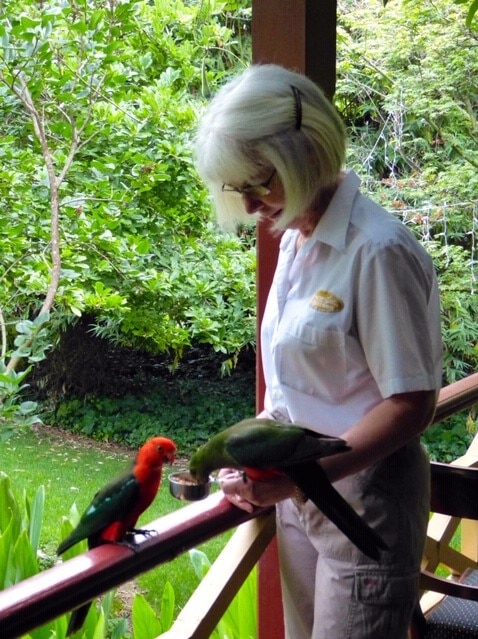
67, 585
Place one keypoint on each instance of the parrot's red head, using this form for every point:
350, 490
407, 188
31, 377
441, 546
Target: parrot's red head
156, 452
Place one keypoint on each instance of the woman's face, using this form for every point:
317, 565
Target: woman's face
264, 197
268, 206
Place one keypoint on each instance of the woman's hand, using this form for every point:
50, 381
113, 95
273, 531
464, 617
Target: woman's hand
246, 493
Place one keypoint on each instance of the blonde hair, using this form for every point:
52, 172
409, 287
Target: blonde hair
255, 123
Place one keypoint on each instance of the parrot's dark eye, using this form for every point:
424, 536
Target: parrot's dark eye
159, 448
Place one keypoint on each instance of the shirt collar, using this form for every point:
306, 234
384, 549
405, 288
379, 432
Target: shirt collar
333, 225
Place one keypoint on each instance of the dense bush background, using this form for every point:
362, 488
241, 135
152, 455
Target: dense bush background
98, 105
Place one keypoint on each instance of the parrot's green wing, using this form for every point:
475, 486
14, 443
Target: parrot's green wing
108, 505
265, 443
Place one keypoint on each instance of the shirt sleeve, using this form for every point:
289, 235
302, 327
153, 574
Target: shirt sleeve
396, 316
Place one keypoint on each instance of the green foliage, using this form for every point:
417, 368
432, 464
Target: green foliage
472, 9
451, 438
19, 529
146, 625
407, 88
138, 250
14, 412
240, 619
31, 343
189, 412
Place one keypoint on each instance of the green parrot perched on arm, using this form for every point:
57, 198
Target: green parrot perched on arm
264, 448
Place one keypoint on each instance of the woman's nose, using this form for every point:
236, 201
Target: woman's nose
251, 203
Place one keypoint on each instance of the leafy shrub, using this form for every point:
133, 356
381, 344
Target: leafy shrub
189, 411
138, 250
451, 438
240, 619
238, 622
408, 94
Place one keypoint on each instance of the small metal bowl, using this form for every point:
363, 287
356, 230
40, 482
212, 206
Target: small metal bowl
183, 486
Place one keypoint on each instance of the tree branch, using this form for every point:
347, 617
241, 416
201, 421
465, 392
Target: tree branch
25, 97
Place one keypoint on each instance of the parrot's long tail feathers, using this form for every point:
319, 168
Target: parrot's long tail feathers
65, 544
313, 481
77, 619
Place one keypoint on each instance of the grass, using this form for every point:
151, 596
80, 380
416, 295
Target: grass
72, 469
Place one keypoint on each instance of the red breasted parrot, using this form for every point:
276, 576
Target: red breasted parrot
264, 447
116, 507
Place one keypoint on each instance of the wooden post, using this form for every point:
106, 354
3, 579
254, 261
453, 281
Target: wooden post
300, 35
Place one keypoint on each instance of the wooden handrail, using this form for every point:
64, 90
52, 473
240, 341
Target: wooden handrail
67, 585
457, 397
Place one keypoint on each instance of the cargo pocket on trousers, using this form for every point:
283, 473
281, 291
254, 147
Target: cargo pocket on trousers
383, 602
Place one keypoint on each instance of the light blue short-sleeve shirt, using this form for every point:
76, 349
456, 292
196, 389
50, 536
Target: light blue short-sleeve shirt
351, 318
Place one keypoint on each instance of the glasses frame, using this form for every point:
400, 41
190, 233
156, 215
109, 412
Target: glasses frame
255, 190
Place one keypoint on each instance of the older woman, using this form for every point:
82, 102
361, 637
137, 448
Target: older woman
351, 347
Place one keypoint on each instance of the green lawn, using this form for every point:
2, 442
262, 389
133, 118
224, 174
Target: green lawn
72, 470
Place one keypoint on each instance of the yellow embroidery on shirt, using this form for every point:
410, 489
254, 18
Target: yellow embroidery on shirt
326, 302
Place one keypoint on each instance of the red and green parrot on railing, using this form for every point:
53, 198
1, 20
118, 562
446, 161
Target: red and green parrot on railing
112, 515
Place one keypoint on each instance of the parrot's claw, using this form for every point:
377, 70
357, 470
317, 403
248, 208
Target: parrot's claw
129, 537
142, 531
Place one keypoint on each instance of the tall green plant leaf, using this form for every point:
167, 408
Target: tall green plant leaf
36, 517
6, 551
146, 624
24, 557
168, 601
9, 510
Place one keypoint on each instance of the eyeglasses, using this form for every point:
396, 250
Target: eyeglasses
255, 190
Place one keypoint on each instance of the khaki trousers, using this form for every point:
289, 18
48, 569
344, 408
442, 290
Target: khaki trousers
330, 589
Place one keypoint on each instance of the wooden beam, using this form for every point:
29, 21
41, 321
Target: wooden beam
212, 597
300, 35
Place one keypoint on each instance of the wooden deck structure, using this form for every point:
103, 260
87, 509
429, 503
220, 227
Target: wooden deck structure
299, 34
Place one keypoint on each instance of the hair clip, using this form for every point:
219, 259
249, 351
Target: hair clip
297, 107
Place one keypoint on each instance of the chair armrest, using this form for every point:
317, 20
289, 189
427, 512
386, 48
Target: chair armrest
454, 490
429, 581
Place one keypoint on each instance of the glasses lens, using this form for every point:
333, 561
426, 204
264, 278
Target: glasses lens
258, 190
255, 190
231, 190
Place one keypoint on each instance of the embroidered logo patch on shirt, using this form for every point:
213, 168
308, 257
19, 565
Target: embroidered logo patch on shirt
326, 302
